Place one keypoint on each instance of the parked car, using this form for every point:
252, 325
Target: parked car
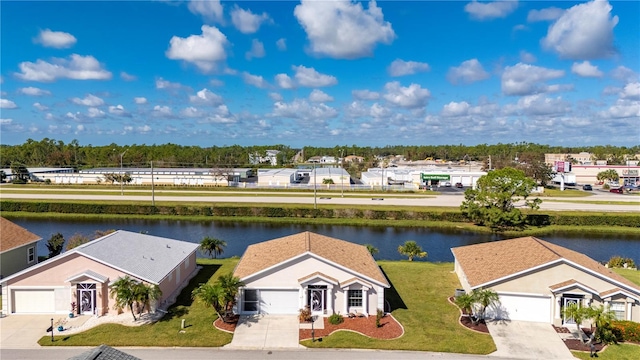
459, 185
617, 191
447, 184
587, 187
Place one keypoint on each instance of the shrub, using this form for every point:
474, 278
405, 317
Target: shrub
620, 262
379, 316
335, 319
626, 330
305, 314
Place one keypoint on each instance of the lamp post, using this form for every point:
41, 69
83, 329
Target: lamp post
315, 191
121, 174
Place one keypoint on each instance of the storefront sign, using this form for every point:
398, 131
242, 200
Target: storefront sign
629, 173
434, 177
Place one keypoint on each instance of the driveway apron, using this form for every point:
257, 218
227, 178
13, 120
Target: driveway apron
527, 340
266, 332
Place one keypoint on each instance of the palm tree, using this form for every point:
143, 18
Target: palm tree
372, 249
602, 318
578, 314
411, 249
485, 298
465, 302
211, 295
123, 292
211, 245
230, 286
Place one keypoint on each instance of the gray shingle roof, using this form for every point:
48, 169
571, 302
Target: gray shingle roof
104, 352
147, 257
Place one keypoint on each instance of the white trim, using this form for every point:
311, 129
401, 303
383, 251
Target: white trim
620, 292
35, 257
271, 288
36, 287
90, 276
576, 284
317, 257
356, 281
322, 277
517, 293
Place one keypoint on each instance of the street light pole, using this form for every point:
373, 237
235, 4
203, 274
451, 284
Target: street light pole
121, 174
315, 199
341, 173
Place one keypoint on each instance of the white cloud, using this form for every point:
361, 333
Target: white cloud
365, 94
145, 129
400, 67
77, 67
585, 69
118, 110
281, 44
343, 29
537, 105
631, 91
165, 84
319, 96
468, 72
216, 82
140, 100
127, 77
89, 100
410, 97
95, 113
547, 14
33, 91
624, 74
455, 109
585, 31
247, 22
210, 10
204, 51
55, 39
162, 111
205, 97
40, 107
7, 104
255, 80
191, 112
524, 79
284, 81
301, 109
378, 111
309, 77
490, 10
527, 57
623, 108
257, 50
275, 96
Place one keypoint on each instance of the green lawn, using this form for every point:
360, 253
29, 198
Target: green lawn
419, 301
199, 319
632, 275
614, 352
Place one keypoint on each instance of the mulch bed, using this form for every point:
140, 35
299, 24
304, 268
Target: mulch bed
228, 327
481, 326
577, 345
561, 329
390, 328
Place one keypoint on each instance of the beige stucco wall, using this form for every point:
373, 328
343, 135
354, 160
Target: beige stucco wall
15, 260
287, 276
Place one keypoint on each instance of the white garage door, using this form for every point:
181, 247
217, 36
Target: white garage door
279, 301
33, 301
521, 307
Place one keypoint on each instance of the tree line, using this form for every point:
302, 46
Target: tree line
56, 153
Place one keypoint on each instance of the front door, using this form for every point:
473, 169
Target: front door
86, 298
567, 301
317, 299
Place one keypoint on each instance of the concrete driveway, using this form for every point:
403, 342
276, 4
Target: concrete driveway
527, 340
24, 331
266, 332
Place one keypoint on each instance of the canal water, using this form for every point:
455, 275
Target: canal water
437, 242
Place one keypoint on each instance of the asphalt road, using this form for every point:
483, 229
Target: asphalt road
220, 353
444, 200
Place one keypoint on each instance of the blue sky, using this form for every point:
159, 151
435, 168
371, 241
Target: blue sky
321, 73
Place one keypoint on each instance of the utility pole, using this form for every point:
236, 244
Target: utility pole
341, 173
315, 198
121, 173
153, 194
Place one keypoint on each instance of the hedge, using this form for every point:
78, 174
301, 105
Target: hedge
535, 219
626, 330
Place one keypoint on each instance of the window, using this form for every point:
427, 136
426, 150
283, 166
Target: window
355, 298
31, 254
250, 301
618, 310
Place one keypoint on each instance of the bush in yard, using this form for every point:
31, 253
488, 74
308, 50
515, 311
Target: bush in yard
379, 316
335, 319
627, 330
305, 314
619, 262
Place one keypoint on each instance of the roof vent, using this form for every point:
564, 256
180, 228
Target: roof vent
168, 247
